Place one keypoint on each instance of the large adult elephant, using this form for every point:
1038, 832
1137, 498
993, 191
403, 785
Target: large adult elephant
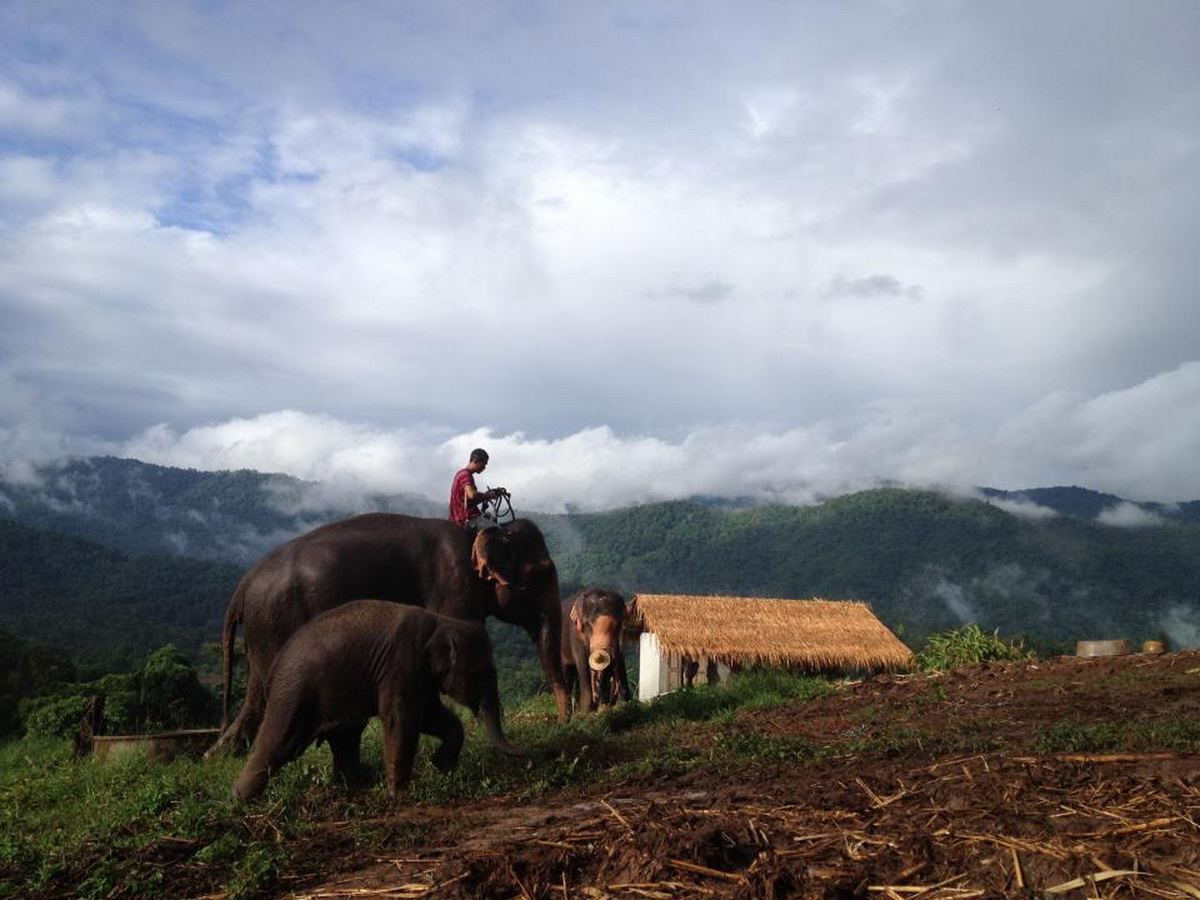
504, 572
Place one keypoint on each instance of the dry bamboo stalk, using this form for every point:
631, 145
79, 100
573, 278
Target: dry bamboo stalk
646, 886
1077, 883
648, 889
526, 893
879, 801
705, 870
916, 890
620, 818
1026, 846
1131, 829
402, 891
912, 870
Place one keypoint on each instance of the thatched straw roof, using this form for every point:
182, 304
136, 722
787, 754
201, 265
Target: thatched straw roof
808, 634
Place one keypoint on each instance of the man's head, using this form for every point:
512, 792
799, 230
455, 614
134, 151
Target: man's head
479, 460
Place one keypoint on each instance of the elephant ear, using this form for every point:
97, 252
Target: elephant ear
577, 617
442, 651
491, 556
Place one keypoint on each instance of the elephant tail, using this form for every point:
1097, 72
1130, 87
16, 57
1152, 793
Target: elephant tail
233, 617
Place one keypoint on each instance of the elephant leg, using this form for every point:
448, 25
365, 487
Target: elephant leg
286, 732
606, 686
265, 758
401, 733
345, 744
550, 652
443, 724
253, 779
623, 676
571, 682
240, 732
587, 698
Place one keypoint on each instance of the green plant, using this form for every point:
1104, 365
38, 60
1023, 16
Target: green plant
257, 870
966, 646
753, 747
1079, 737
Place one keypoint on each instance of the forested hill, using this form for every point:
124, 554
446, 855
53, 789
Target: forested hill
146, 510
105, 608
923, 560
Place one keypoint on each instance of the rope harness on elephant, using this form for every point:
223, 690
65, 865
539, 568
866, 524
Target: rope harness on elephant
499, 510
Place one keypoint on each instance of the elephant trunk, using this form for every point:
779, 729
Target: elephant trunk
489, 714
604, 659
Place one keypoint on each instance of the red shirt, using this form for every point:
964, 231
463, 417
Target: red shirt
462, 510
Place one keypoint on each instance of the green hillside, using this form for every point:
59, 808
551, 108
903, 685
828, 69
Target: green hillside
107, 609
146, 510
925, 561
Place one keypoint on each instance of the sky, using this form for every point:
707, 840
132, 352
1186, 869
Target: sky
637, 251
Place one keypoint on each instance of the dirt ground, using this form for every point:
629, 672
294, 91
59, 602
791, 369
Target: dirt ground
928, 786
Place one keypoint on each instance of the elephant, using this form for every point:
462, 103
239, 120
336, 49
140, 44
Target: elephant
504, 572
593, 619
374, 657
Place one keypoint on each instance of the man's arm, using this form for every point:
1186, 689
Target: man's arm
475, 496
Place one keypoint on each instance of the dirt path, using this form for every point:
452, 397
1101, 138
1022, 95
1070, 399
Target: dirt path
930, 787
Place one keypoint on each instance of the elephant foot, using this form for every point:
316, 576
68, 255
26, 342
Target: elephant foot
563, 702
223, 745
396, 789
352, 777
445, 758
249, 785
235, 737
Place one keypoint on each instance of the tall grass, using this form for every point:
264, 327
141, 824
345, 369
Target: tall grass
91, 829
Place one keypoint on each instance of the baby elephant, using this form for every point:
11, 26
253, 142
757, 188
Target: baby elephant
366, 658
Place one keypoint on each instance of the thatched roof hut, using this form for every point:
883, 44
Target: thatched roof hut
815, 634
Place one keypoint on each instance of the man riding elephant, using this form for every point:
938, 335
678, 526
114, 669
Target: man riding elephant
466, 499
504, 572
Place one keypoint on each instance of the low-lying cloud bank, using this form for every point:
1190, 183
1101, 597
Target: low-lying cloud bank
1136, 443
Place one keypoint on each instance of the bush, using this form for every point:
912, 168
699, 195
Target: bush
171, 695
164, 694
966, 646
56, 718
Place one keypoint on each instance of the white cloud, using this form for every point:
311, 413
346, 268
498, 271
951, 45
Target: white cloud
1128, 515
955, 600
1182, 626
1131, 441
1021, 507
900, 243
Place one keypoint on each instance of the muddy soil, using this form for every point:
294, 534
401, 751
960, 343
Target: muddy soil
932, 786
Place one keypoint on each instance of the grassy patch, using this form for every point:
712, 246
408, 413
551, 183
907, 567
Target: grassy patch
138, 828
1181, 735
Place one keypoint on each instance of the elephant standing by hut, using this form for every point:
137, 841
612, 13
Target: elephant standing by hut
504, 572
592, 660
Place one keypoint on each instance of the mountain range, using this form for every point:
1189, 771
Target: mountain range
109, 557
